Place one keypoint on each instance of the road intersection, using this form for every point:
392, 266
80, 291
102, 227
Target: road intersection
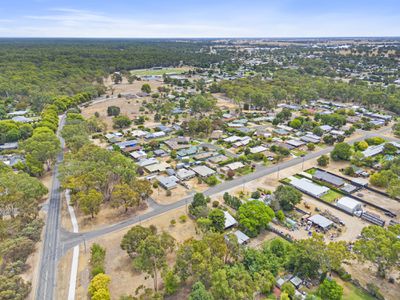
57, 241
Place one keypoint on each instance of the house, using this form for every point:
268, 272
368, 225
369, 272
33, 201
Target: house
159, 152
326, 128
309, 187
373, 150
178, 143
168, 182
321, 221
22, 119
147, 162
280, 131
234, 166
203, 171
187, 152
229, 220
185, 174
329, 178
232, 139
138, 154
18, 113
216, 134
295, 143
11, 159
130, 143
156, 168
164, 128
296, 281
9, 146
155, 135
337, 132
241, 237
203, 156
257, 149
139, 133
311, 138
217, 159
349, 204
243, 142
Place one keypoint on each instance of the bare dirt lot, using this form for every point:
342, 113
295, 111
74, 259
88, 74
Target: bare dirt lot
106, 216
118, 264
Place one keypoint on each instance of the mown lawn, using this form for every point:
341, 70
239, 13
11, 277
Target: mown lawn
351, 292
331, 196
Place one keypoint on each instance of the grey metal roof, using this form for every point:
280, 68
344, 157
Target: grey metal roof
330, 178
321, 221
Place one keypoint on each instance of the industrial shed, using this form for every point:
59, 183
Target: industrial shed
349, 204
321, 221
309, 187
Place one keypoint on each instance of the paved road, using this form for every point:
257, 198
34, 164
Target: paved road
70, 239
47, 275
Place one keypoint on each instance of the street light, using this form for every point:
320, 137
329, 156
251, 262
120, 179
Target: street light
302, 164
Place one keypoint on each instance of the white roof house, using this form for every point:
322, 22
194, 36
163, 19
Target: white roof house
185, 174
295, 143
242, 238
235, 165
155, 168
321, 221
258, 149
229, 220
310, 187
326, 128
203, 171
373, 150
349, 204
139, 133
168, 182
138, 154
232, 139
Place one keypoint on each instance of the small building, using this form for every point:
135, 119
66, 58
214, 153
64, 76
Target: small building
229, 220
168, 182
321, 221
185, 174
349, 204
296, 281
241, 237
203, 171
309, 187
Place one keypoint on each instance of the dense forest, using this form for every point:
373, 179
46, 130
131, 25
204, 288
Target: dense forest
296, 86
34, 70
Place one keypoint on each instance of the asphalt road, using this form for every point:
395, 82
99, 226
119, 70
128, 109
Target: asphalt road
58, 241
69, 239
48, 263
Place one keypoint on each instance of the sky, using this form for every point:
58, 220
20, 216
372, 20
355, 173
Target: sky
199, 18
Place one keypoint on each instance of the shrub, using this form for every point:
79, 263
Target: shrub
215, 203
183, 218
